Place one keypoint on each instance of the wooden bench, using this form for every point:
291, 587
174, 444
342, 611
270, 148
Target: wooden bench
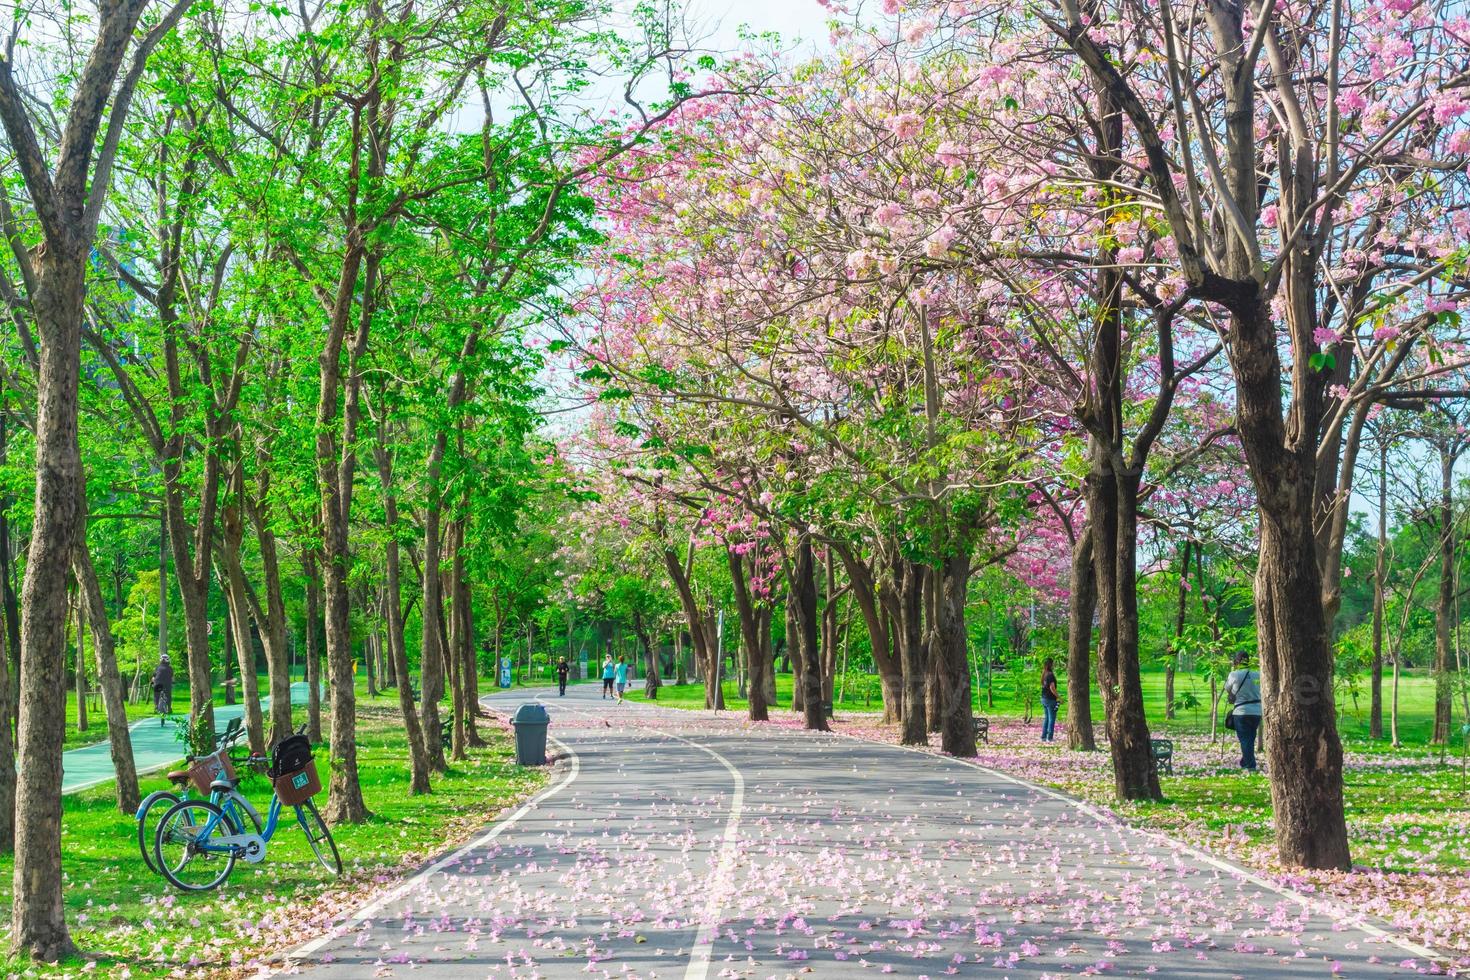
1162, 750
982, 730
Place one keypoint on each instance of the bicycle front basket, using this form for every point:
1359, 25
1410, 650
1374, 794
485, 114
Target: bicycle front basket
297, 787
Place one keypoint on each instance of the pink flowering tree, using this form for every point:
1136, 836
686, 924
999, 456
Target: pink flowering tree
774, 296
1301, 171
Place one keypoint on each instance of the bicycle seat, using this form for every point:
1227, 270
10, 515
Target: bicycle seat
223, 785
179, 777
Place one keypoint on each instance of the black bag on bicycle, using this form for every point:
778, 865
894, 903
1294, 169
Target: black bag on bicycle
293, 773
291, 754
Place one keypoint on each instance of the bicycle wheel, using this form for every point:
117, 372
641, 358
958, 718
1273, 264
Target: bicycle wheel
319, 837
156, 805
176, 845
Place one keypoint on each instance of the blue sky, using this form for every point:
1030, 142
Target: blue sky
792, 19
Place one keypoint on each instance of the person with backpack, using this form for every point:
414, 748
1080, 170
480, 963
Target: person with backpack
607, 676
1243, 688
621, 676
562, 669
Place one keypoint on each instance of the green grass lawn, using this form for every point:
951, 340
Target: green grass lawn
996, 696
129, 919
1406, 820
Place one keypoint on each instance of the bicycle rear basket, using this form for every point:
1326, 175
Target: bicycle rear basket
207, 769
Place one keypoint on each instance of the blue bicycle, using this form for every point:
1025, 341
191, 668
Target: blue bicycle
198, 842
200, 773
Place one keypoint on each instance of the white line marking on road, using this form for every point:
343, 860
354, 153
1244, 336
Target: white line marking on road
722, 871
393, 894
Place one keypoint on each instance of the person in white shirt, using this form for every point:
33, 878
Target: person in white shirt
1243, 688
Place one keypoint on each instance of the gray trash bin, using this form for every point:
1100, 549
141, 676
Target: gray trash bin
530, 721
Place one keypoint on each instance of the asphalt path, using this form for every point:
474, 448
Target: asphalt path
680, 844
155, 745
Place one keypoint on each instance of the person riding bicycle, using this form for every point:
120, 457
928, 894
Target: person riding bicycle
163, 689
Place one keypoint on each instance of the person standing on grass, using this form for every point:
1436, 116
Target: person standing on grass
1050, 701
562, 669
621, 676
1243, 688
163, 689
607, 676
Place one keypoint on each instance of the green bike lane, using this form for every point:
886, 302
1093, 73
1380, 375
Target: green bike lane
155, 746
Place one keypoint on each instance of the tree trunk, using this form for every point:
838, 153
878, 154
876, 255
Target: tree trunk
700, 632
470, 670
119, 738
950, 651
309, 568
1393, 707
804, 601
431, 662
1444, 608
38, 923
448, 641
750, 635
370, 660
237, 605
9, 672
193, 597
933, 683
229, 683
650, 675
457, 638
714, 665
10, 697
908, 602
418, 759
764, 616
1080, 736
681, 669
792, 653
829, 628
38, 920
271, 623
865, 593
1300, 718
334, 482
81, 664
1300, 725
163, 543
1181, 608
1112, 506
1380, 584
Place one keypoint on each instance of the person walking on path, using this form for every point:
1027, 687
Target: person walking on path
562, 669
163, 689
1050, 701
621, 676
1243, 688
607, 676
